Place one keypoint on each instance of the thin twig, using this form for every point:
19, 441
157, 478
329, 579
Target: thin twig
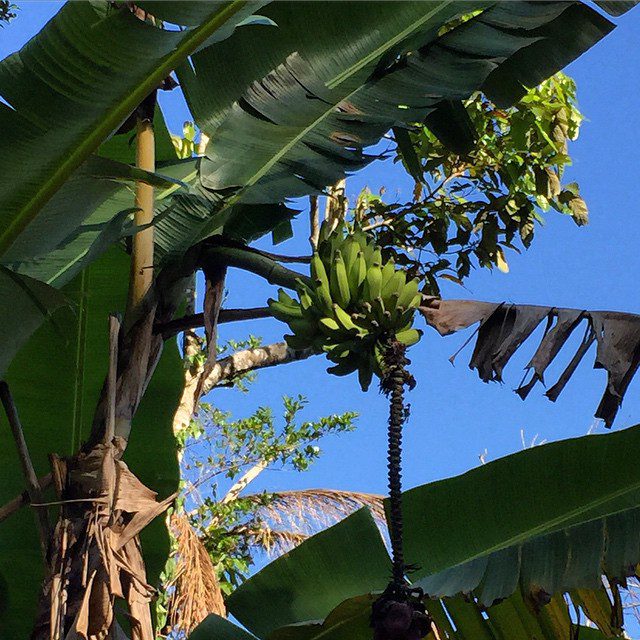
33, 485
381, 223
22, 500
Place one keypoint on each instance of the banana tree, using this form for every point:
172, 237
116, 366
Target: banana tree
286, 115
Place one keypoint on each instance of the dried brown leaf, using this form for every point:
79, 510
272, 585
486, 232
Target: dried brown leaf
505, 327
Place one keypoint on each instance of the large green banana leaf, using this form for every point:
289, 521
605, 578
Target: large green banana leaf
28, 296
310, 106
72, 85
510, 620
25, 304
56, 380
542, 521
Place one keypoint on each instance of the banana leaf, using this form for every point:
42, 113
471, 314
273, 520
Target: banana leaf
513, 536
72, 85
311, 107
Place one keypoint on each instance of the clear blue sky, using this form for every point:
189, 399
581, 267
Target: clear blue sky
455, 416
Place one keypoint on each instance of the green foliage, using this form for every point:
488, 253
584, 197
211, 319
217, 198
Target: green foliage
469, 208
56, 381
552, 542
352, 306
7, 11
217, 449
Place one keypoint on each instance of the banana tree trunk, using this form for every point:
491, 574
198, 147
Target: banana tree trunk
95, 556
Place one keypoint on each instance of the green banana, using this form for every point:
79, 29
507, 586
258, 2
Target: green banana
357, 272
329, 326
284, 312
373, 287
339, 284
409, 337
379, 310
343, 368
306, 301
323, 292
318, 271
345, 320
409, 292
285, 298
350, 252
388, 270
365, 373
394, 285
303, 328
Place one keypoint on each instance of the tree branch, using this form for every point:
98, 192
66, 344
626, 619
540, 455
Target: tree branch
250, 360
246, 478
33, 485
195, 320
231, 367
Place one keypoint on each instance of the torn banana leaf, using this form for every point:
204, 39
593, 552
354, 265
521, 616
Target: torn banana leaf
505, 327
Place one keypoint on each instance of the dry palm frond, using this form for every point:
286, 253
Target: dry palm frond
289, 517
273, 541
195, 590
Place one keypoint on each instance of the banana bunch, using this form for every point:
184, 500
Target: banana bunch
354, 304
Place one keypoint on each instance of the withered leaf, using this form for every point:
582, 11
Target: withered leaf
505, 327
97, 550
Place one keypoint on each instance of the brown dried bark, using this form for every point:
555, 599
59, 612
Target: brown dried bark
96, 554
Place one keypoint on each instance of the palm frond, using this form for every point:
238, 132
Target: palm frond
274, 542
194, 591
309, 510
286, 519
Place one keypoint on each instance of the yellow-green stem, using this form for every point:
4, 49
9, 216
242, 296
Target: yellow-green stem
142, 253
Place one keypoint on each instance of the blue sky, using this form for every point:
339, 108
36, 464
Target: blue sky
455, 417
